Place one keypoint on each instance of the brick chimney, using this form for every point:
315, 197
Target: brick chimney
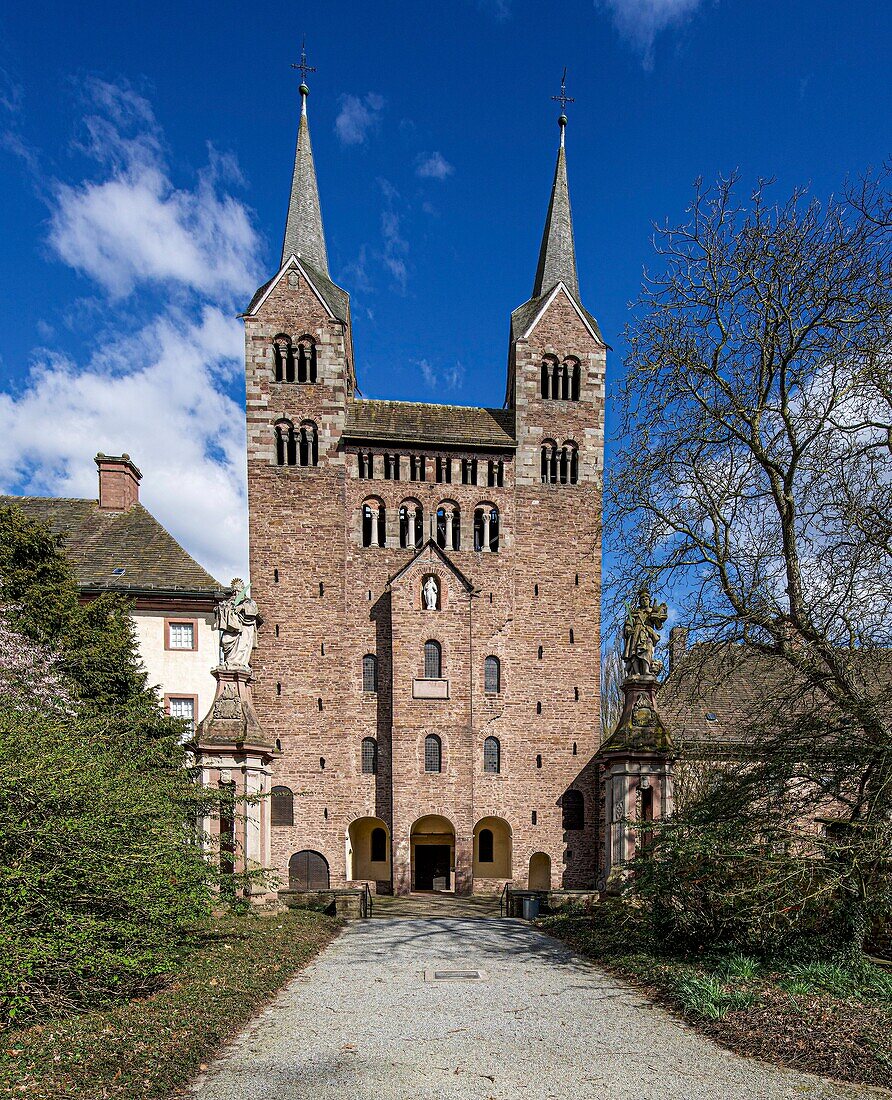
118, 482
678, 643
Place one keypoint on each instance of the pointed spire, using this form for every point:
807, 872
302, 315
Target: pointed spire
557, 256
304, 235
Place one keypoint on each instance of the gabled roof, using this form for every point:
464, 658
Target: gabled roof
431, 548
97, 542
304, 236
429, 425
525, 317
335, 300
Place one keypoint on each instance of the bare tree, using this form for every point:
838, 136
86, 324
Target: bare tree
754, 483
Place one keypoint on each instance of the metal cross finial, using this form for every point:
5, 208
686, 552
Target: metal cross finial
563, 98
303, 66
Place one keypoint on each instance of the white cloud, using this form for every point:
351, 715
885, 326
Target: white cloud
433, 166
158, 395
640, 21
442, 378
358, 117
134, 225
155, 384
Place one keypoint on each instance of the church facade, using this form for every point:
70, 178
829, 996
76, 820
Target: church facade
430, 582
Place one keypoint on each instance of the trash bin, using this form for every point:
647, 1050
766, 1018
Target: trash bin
530, 908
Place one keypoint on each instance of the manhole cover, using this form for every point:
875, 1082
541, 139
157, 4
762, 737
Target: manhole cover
454, 975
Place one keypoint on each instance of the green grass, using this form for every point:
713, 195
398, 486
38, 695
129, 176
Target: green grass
151, 1047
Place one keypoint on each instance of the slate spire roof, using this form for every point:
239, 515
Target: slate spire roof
304, 235
557, 255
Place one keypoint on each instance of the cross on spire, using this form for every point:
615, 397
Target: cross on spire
563, 98
305, 68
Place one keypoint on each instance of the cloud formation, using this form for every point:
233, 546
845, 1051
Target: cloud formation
442, 379
640, 21
358, 117
155, 384
433, 166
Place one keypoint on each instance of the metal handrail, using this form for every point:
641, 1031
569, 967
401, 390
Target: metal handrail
366, 901
503, 898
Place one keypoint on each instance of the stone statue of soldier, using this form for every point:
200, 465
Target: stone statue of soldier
237, 619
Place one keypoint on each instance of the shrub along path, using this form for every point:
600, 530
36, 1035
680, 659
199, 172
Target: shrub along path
153, 1046
369, 1021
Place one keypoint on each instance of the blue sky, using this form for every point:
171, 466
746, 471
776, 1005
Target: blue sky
145, 159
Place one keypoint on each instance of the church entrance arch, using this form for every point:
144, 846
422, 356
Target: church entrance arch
368, 850
540, 872
433, 853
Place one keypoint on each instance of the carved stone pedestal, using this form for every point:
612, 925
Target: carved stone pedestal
638, 760
235, 755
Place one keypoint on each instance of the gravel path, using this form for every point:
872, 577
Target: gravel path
363, 1023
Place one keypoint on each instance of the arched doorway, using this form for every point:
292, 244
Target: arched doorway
433, 853
308, 871
492, 848
368, 850
540, 872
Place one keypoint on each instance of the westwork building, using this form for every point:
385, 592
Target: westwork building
430, 581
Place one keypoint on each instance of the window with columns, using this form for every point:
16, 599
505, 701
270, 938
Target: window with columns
417, 468
366, 465
307, 444
469, 471
283, 358
444, 469
411, 517
286, 443
486, 528
561, 380
449, 526
294, 363
559, 465
374, 523
495, 472
391, 467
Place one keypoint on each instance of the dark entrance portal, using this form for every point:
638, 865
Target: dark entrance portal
432, 862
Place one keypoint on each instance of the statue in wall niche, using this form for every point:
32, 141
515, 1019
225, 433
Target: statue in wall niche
641, 634
237, 619
430, 590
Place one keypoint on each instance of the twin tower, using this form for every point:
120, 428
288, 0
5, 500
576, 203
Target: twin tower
430, 579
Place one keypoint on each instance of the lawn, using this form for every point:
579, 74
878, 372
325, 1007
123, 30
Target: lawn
153, 1046
812, 1016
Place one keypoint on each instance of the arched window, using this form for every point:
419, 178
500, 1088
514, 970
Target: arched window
573, 810
492, 756
411, 525
484, 846
374, 523
306, 359
308, 444
449, 526
379, 846
549, 462
369, 756
569, 463
550, 380
492, 676
370, 672
575, 377
281, 806
283, 358
286, 444
486, 528
433, 660
433, 753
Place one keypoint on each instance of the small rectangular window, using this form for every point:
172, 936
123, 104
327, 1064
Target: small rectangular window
182, 707
180, 635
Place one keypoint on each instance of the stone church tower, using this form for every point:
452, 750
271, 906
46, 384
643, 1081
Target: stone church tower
430, 581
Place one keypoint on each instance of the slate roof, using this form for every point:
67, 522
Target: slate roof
523, 316
304, 236
557, 253
729, 694
98, 542
429, 425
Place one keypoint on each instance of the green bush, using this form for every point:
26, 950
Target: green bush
102, 875
707, 996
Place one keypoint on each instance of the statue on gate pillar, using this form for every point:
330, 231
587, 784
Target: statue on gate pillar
237, 619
